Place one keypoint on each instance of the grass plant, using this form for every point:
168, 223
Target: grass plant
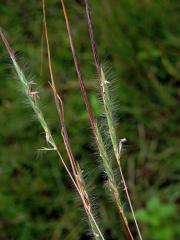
75, 172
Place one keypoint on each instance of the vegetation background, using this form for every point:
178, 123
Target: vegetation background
140, 40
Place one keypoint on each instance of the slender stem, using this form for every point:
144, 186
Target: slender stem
129, 200
78, 70
59, 104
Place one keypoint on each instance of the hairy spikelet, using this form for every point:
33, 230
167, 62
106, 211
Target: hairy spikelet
108, 112
111, 182
117, 146
33, 101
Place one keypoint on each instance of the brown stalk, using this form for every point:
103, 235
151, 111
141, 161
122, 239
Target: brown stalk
78, 70
58, 101
98, 69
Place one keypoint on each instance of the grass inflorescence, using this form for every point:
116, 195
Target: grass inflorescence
103, 84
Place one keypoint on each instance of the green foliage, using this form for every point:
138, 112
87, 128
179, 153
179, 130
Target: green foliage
158, 218
141, 39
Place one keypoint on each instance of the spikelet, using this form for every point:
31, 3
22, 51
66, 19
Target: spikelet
108, 112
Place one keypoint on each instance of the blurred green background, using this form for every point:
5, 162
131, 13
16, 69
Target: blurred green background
140, 42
